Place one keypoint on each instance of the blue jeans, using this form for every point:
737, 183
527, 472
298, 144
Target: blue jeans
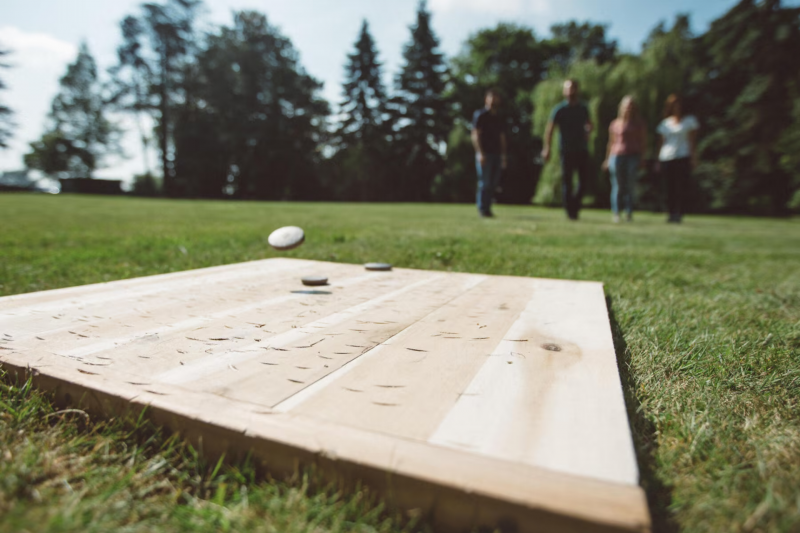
488, 178
624, 170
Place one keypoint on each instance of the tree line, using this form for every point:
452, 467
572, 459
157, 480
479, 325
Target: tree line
237, 116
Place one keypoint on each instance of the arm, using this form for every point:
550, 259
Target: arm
503, 151
611, 140
548, 139
693, 147
643, 159
659, 144
476, 143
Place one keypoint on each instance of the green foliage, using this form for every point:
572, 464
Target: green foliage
260, 131
254, 122
574, 41
79, 135
156, 52
420, 111
750, 75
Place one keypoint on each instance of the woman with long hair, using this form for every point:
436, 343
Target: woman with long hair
627, 139
677, 154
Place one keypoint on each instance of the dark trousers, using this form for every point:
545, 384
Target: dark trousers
572, 162
677, 174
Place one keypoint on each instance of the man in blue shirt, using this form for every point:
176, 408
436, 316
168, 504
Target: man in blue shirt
489, 140
574, 126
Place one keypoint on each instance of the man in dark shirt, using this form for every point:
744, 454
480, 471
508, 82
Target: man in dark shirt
574, 126
489, 140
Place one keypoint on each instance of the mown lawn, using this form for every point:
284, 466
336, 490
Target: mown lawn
706, 319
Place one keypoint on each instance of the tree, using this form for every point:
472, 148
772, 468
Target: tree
6, 124
362, 136
79, 135
747, 96
254, 122
423, 118
573, 41
130, 81
157, 48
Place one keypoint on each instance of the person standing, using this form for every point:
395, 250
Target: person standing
574, 126
677, 155
489, 141
627, 139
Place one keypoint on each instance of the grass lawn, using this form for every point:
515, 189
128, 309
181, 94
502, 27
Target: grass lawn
706, 318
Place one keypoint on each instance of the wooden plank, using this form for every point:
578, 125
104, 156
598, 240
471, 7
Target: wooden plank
436, 388
571, 399
455, 489
391, 390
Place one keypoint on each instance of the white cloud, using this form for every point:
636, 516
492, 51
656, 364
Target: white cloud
499, 7
35, 49
37, 61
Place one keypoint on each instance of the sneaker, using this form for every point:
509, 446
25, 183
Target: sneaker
615, 219
629, 217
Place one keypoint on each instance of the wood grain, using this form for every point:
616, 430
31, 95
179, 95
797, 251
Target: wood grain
482, 400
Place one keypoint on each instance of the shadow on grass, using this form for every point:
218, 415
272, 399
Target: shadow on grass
645, 440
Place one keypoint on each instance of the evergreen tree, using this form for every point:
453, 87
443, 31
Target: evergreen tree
6, 125
422, 111
364, 105
362, 135
747, 99
80, 135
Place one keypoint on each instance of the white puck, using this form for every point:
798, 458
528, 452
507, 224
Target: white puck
287, 238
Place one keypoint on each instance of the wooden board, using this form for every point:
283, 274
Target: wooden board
481, 400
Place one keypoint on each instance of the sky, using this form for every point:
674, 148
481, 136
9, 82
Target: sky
44, 36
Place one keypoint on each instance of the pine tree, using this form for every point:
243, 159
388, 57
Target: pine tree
362, 135
364, 104
80, 135
422, 112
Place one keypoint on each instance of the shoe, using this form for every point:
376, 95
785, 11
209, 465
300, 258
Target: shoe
629, 217
615, 219
487, 214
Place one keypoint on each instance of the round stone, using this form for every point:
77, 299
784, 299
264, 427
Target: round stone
378, 266
315, 281
287, 238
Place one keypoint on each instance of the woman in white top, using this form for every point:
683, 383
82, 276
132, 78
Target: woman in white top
677, 154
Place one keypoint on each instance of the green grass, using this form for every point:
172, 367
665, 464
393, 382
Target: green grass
706, 319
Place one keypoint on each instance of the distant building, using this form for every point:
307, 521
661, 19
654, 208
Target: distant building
28, 181
90, 186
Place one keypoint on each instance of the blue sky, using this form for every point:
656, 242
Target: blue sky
44, 35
